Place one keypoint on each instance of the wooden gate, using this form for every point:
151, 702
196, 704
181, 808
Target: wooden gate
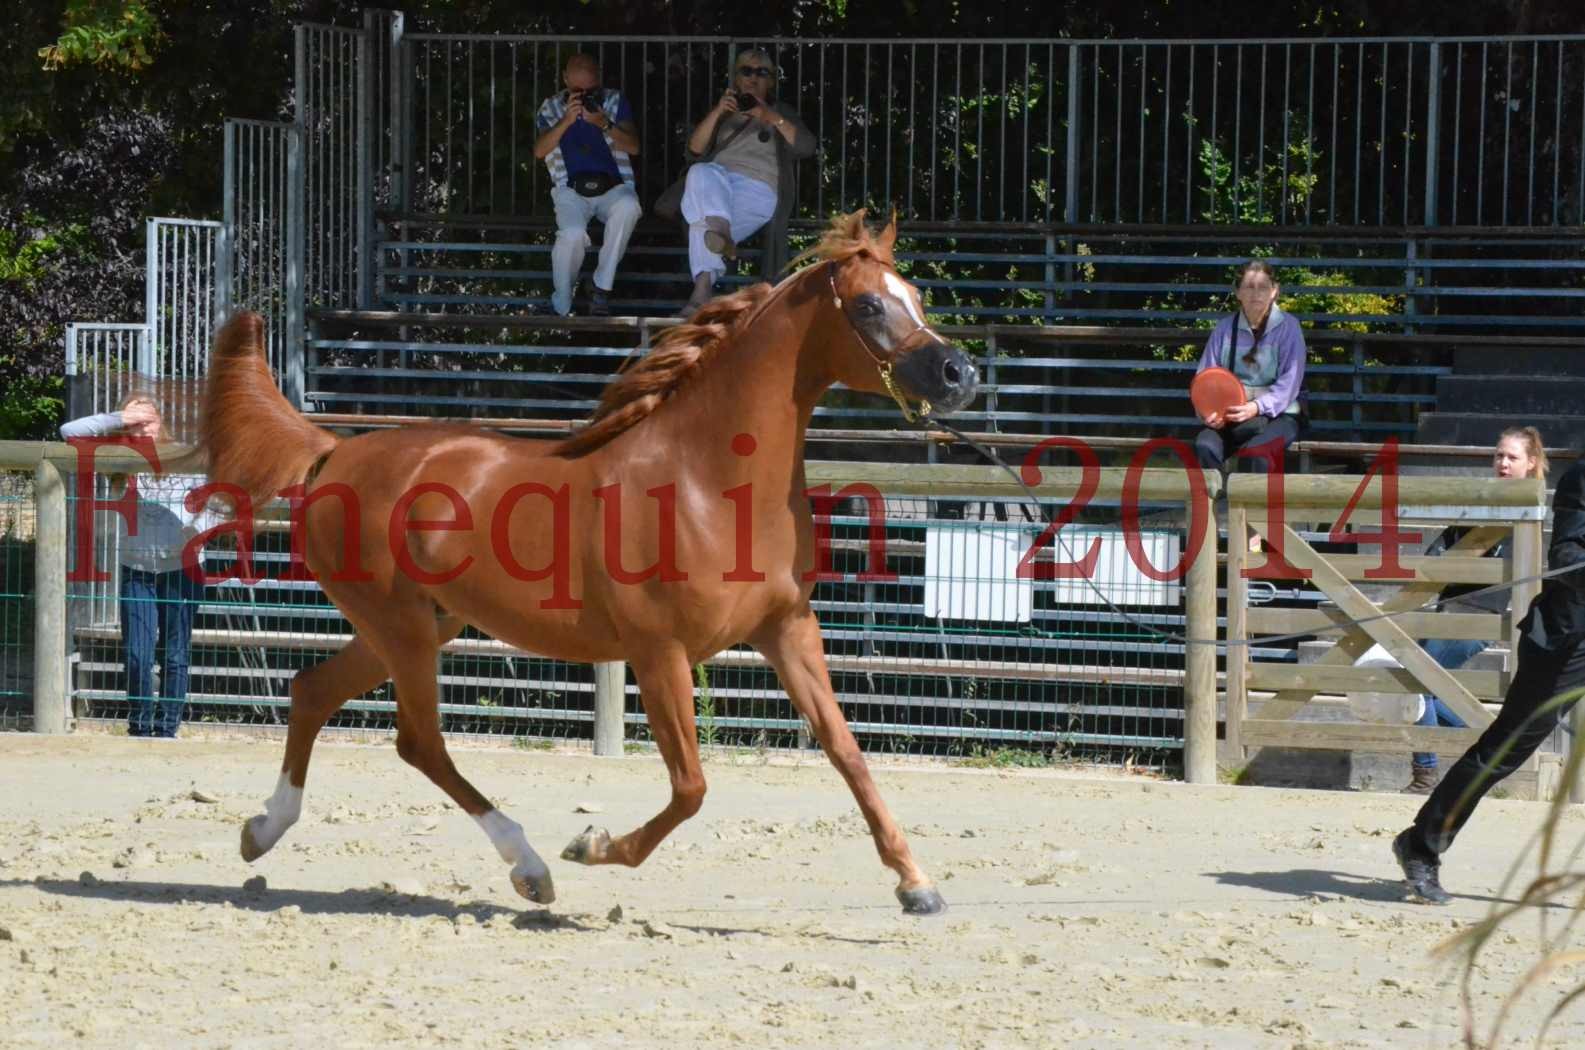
1264, 696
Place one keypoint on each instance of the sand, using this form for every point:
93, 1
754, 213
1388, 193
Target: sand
1087, 909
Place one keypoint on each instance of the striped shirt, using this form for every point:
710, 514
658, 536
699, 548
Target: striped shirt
587, 148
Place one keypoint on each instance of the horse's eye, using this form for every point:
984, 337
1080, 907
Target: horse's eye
868, 305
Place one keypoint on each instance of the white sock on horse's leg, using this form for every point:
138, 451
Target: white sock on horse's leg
280, 813
529, 873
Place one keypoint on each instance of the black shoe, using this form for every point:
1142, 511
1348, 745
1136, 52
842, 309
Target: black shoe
600, 303
1420, 877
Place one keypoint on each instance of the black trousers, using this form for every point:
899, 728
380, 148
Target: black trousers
1213, 447
1540, 675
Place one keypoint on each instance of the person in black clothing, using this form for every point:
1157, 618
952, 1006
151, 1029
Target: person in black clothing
1551, 662
1519, 454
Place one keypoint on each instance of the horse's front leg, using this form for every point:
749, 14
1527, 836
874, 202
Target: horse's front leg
794, 648
665, 682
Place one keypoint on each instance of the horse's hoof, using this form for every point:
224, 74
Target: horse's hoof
251, 850
540, 890
589, 847
922, 901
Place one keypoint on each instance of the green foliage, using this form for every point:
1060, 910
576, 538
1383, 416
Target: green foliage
706, 706
30, 405
105, 34
980, 757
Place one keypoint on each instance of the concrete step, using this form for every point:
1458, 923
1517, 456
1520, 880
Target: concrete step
1479, 428
1517, 396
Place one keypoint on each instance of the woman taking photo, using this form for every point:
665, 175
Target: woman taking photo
747, 177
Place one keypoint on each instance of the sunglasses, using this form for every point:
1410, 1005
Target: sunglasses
754, 71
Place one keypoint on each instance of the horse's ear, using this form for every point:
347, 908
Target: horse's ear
888, 236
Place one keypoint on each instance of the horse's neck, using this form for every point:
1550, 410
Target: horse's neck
760, 384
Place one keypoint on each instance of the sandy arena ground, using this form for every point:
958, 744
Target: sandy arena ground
1086, 910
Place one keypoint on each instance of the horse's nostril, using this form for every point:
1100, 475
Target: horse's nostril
951, 374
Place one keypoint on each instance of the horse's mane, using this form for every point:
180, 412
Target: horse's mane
681, 352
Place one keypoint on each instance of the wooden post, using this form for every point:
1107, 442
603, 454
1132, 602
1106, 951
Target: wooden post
1199, 661
610, 692
50, 703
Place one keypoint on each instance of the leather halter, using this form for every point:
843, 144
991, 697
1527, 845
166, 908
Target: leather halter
882, 365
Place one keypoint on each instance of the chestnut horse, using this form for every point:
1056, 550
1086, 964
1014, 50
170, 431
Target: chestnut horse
674, 525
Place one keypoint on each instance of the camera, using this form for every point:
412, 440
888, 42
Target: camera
592, 97
746, 102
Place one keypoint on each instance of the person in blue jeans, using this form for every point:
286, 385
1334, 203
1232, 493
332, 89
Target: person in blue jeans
159, 595
1519, 454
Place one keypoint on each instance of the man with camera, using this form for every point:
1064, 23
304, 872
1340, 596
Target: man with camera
587, 139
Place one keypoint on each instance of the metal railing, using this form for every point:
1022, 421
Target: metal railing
1369, 132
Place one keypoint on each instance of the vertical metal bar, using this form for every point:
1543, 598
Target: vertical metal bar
1579, 193
1216, 144
1095, 140
1070, 205
913, 109
1337, 118
1507, 131
492, 154
468, 143
843, 200
1529, 180
1117, 141
1433, 121
1287, 85
152, 286
1454, 183
1238, 127
365, 169
957, 138
1480, 140
864, 150
1188, 145
1144, 105
228, 216
296, 214
891, 136
1166, 132
1408, 128
1359, 121
1557, 137
1381, 159
1029, 63
1309, 136
400, 120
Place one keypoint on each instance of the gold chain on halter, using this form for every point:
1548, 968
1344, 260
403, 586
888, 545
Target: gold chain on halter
909, 414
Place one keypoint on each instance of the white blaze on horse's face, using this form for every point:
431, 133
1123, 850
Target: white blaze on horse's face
903, 293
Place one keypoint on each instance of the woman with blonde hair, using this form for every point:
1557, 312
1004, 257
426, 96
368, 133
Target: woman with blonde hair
1519, 454
745, 175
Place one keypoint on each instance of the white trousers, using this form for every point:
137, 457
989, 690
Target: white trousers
618, 209
746, 204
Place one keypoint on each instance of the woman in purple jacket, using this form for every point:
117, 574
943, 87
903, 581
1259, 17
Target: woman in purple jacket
1264, 347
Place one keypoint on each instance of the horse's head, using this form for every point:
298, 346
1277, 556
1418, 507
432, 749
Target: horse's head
893, 350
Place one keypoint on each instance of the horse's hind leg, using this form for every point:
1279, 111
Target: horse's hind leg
419, 743
794, 649
317, 693
665, 683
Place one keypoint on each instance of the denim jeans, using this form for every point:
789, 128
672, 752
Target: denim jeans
157, 624
1452, 654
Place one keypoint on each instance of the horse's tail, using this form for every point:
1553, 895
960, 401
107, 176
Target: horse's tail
252, 436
